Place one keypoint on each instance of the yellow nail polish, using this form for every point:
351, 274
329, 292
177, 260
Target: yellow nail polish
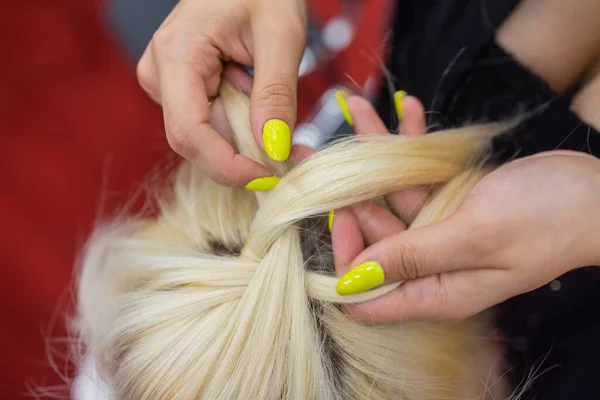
263, 184
330, 220
341, 96
361, 278
398, 97
277, 139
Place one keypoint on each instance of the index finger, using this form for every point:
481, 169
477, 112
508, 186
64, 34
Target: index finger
187, 123
408, 203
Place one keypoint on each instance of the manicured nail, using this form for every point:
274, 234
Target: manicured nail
341, 96
277, 139
398, 97
361, 278
330, 220
263, 184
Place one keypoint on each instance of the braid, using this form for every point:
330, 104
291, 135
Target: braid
231, 295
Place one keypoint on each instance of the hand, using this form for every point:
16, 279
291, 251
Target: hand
523, 225
367, 222
182, 66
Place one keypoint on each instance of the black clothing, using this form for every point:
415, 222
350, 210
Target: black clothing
444, 53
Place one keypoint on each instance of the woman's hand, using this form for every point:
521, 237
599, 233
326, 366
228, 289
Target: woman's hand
522, 226
182, 67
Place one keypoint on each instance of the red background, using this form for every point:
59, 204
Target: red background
79, 136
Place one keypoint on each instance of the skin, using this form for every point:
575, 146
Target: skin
525, 224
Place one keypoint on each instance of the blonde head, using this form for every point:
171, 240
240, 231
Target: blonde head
229, 294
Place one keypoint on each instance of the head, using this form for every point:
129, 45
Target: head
230, 294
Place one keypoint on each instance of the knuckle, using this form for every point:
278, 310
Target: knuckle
173, 43
180, 141
164, 39
408, 262
145, 78
214, 28
212, 32
205, 57
198, 52
223, 178
183, 143
276, 95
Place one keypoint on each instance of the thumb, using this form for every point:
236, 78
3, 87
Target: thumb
449, 297
409, 255
279, 40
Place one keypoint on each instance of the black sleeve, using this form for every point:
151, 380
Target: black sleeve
444, 53
495, 87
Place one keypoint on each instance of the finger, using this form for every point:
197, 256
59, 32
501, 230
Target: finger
187, 122
220, 122
300, 153
360, 113
412, 254
375, 222
238, 78
279, 39
365, 119
448, 297
147, 76
407, 203
413, 120
346, 240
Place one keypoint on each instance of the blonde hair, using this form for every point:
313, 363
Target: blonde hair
230, 294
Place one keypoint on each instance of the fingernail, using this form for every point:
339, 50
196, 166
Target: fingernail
277, 139
341, 96
263, 184
398, 97
361, 278
330, 220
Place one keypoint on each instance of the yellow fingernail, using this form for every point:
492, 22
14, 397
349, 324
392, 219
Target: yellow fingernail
330, 220
263, 184
277, 139
361, 278
341, 96
398, 97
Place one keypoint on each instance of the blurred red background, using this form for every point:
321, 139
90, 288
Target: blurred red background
78, 136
